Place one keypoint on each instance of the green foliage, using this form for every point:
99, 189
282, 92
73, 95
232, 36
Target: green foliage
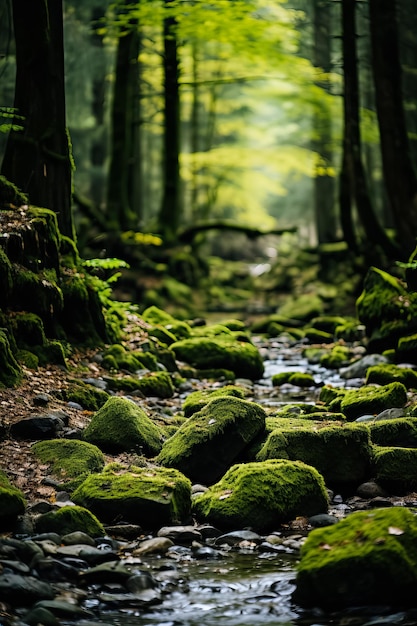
9, 113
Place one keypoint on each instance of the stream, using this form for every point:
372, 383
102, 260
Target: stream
246, 586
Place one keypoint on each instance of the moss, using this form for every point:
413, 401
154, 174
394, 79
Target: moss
69, 459
10, 370
396, 469
388, 372
6, 280
210, 440
68, 252
234, 324
117, 357
368, 558
150, 496
329, 394
372, 400
196, 400
121, 425
407, 348
304, 307
51, 352
82, 315
342, 454
299, 379
401, 432
37, 292
242, 358
217, 373
159, 318
70, 519
350, 331
212, 330
163, 335
327, 323
10, 194
338, 357
28, 329
262, 495
28, 359
12, 502
313, 335
261, 326
89, 397
156, 384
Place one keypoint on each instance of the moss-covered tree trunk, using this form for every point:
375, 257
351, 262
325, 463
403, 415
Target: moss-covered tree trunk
38, 159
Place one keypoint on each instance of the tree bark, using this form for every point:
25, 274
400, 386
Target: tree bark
170, 212
399, 175
38, 159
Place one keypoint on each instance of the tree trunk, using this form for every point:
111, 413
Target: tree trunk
120, 212
399, 175
38, 159
324, 183
170, 212
352, 171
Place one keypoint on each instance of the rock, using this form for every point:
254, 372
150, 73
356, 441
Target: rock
342, 454
156, 545
322, 519
69, 459
370, 399
399, 432
205, 446
395, 469
388, 373
236, 537
370, 490
224, 351
12, 502
369, 558
359, 368
69, 519
197, 400
184, 535
149, 497
24, 590
262, 495
37, 427
121, 425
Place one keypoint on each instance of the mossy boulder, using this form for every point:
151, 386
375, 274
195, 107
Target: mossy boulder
369, 558
12, 502
197, 400
121, 425
389, 372
159, 319
314, 335
70, 460
372, 399
157, 384
399, 432
337, 357
342, 454
262, 495
241, 357
10, 371
37, 292
6, 280
387, 308
395, 469
70, 519
205, 446
407, 348
149, 496
304, 307
327, 323
299, 379
88, 396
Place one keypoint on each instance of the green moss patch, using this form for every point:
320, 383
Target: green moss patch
70, 519
151, 497
197, 400
370, 400
69, 459
396, 468
211, 439
399, 432
262, 495
121, 425
368, 558
299, 379
157, 384
241, 357
89, 397
10, 371
12, 502
388, 373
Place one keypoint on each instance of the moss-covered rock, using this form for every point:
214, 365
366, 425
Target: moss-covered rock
399, 432
151, 496
371, 399
158, 318
299, 379
369, 558
197, 400
337, 357
121, 425
88, 396
304, 307
12, 502
342, 454
6, 280
407, 348
395, 469
70, 519
389, 372
314, 335
37, 292
387, 309
70, 460
327, 323
212, 439
241, 357
28, 329
156, 384
262, 495
10, 370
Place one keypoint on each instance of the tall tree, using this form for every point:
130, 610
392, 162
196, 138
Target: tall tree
122, 215
353, 188
399, 175
169, 215
38, 159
